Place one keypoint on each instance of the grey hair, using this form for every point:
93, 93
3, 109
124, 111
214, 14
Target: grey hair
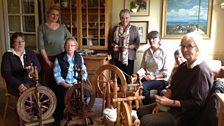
196, 38
154, 34
124, 11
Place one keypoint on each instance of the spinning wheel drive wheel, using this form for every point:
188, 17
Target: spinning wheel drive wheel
73, 99
27, 104
125, 118
105, 74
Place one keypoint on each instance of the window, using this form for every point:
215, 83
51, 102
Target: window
21, 16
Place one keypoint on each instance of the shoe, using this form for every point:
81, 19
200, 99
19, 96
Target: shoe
110, 114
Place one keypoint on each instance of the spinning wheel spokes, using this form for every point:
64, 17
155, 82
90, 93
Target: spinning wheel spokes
27, 104
112, 72
73, 99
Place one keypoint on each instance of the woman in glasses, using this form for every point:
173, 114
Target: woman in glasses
189, 89
14, 64
65, 75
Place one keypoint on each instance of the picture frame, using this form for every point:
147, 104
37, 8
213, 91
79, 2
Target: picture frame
138, 7
142, 27
181, 17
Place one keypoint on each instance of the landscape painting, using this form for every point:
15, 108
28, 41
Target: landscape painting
181, 17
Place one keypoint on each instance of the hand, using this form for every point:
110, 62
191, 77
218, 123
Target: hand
149, 77
156, 109
133, 78
124, 48
28, 68
66, 85
115, 47
162, 100
22, 88
131, 46
50, 64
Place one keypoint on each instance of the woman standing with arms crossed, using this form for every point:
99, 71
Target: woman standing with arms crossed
51, 41
125, 43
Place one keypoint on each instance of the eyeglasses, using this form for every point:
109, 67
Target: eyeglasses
188, 47
70, 45
20, 41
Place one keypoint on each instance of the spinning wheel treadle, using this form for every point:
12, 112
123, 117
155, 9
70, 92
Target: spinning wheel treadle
27, 103
73, 99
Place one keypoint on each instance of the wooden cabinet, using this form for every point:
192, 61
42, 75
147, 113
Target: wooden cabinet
93, 63
88, 21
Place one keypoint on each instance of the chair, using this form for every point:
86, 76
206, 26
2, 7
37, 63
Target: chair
7, 105
212, 114
220, 97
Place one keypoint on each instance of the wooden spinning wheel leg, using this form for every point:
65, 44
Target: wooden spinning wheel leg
124, 115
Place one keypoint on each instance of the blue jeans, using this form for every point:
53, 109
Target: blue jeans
151, 84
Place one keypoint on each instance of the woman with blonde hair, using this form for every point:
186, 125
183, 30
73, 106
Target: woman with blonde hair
51, 41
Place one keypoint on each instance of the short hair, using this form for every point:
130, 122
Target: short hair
72, 39
177, 52
154, 34
196, 37
14, 37
124, 11
53, 7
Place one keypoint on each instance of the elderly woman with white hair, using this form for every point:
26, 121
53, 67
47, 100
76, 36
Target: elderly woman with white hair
185, 99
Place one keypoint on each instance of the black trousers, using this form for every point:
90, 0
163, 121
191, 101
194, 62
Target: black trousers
60, 93
127, 70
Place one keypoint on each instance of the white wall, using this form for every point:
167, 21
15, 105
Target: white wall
214, 46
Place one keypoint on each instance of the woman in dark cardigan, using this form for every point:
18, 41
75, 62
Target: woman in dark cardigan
14, 64
189, 89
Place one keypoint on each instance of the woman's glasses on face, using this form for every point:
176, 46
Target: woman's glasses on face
70, 45
188, 47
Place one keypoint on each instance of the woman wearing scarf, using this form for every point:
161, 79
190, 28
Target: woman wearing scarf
125, 43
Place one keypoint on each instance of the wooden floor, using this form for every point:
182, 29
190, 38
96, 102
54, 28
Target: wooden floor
11, 118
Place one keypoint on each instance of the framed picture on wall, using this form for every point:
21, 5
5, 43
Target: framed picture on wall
142, 27
181, 17
138, 7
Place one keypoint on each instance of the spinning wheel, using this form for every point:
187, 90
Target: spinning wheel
125, 115
117, 95
73, 99
28, 102
104, 81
